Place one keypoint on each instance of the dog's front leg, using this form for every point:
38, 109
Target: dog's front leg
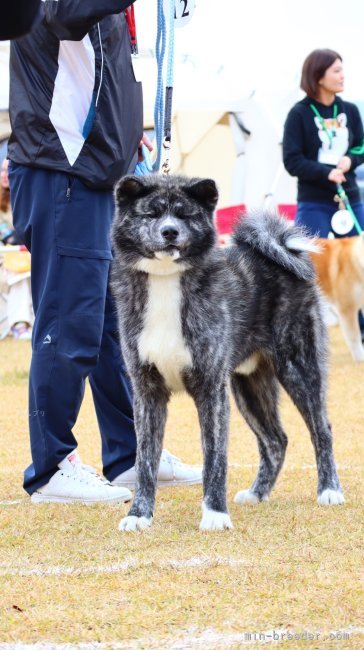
212, 403
150, 412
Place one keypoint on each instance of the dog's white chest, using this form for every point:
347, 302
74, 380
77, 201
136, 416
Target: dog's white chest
161, 341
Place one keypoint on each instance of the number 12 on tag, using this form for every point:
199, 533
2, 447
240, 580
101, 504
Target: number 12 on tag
183, 10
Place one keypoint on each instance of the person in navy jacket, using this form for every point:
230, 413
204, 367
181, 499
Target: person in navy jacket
77, 122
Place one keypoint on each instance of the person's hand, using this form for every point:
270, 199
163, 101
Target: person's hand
344, 164
337, 176
145, 140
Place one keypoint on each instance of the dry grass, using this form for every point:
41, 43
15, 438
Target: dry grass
69, 576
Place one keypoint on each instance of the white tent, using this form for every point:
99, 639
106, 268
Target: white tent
224, 131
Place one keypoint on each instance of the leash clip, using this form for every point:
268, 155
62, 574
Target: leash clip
339, 200
167, 147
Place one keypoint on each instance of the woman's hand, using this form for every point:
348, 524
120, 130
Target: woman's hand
344, 164
337, 176
145, 140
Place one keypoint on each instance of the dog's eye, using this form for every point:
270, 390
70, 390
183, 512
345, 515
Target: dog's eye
192, 216
150, 215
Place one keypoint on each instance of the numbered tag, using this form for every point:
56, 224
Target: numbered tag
183, 10
342, 222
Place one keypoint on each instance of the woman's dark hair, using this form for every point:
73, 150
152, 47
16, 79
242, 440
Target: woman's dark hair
314, 69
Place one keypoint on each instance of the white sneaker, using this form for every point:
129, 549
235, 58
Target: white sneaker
171, 472
77, 483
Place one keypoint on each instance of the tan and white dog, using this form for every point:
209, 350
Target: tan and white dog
340, 273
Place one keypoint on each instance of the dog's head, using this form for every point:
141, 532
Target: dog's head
163, 223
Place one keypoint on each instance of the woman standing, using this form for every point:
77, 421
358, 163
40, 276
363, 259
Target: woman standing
323, 143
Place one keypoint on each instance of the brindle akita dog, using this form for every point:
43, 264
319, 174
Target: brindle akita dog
198, 318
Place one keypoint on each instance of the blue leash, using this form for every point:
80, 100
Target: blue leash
163, 110
160, 49
145, 166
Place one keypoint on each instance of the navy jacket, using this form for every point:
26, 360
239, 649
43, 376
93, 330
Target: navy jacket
310, 153
17, 17
75, 105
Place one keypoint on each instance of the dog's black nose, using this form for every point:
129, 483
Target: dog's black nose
169, 233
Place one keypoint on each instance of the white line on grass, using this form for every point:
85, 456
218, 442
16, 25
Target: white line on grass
121, 567
207, 639
10, 503
294, 467
11, 470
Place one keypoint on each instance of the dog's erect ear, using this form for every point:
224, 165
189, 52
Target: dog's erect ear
204, 190
130, 188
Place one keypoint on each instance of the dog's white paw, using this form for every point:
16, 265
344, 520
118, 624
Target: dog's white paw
132, 524
247, 496
213, 520
330, 498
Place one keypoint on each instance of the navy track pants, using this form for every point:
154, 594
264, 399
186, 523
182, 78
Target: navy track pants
316, 217
66, 226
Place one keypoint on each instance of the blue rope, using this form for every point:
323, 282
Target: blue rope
160, 48
159, 108
145, 166
170, 59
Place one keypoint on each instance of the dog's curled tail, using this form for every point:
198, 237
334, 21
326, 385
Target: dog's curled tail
276, 239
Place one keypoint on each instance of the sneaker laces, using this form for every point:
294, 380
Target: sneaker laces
89, 468
174, 460
93, 478
86, 473
166, 455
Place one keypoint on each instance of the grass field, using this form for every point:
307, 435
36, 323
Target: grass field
289, 567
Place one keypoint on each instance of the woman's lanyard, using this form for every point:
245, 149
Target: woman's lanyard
330, 134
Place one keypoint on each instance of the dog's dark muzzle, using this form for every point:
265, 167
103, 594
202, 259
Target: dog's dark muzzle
171, 233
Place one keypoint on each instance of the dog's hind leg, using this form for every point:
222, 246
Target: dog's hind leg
150, 413
256, 396
212, 402
300, 371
